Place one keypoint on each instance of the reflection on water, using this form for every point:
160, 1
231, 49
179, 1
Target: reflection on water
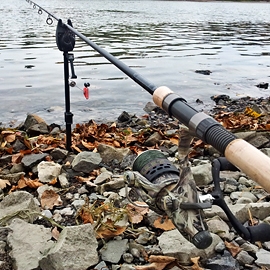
164, 41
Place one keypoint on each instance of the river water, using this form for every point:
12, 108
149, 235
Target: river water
164, 41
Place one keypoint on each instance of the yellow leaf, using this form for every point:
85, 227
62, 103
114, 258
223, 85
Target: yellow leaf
249, 111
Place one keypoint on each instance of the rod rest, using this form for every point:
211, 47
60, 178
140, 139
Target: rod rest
259, 232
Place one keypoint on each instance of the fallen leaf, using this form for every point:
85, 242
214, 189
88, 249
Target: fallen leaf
21, 184
234, 249
55, 233
108, 229
86, 216
53, 182
49, 199
164, 223
157, 263
196, 266
4, 183
249, 111
16, 158
33, 183
136, 213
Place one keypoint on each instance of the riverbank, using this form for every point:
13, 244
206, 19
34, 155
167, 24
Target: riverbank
75, 202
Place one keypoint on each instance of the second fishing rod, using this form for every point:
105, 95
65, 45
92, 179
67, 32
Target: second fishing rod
243, 155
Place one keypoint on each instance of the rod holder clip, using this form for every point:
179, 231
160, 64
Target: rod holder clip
70, 57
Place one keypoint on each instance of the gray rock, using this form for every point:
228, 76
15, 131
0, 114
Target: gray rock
76, 249
263, 258
172, 243
47, 171
17, 168
27, 243
101, 266
103, 177
153, 139
29, 161
223, 262
35, 125
19, 204
114, 184
77, 204
4, 233
4, 160
218, 226
244, 200
249, 247
244, 258
149, 107
86, 162
260, 139
59, 154
126, 266
109, 153
18, 146
114, 250
202, 174
220, 247
237, 194
13, 178
62, 178
128, 257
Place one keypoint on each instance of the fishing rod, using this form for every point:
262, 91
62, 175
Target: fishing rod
239, 153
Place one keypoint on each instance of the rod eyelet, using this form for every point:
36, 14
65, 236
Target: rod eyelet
40, 11
49, 21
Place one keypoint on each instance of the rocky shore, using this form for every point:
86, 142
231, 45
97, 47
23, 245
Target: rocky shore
64, 209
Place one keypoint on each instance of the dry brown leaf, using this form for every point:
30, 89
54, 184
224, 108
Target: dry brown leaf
76, 148
55, 233
108, 229
16, 158
116, 144
53, 182
84, 179
234, 249
33, 183
157, 263
4, 183
196, 266
49, 199
87, 145
164, 223
21, 184
136, 213
161, 259
86, 216
174, 140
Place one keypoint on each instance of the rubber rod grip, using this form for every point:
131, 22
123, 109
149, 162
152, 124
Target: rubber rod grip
259, 232
250, 160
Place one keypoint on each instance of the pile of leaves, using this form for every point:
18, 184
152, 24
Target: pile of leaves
247, 120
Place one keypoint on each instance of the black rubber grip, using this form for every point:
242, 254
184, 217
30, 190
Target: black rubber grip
219, 137
259, 232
